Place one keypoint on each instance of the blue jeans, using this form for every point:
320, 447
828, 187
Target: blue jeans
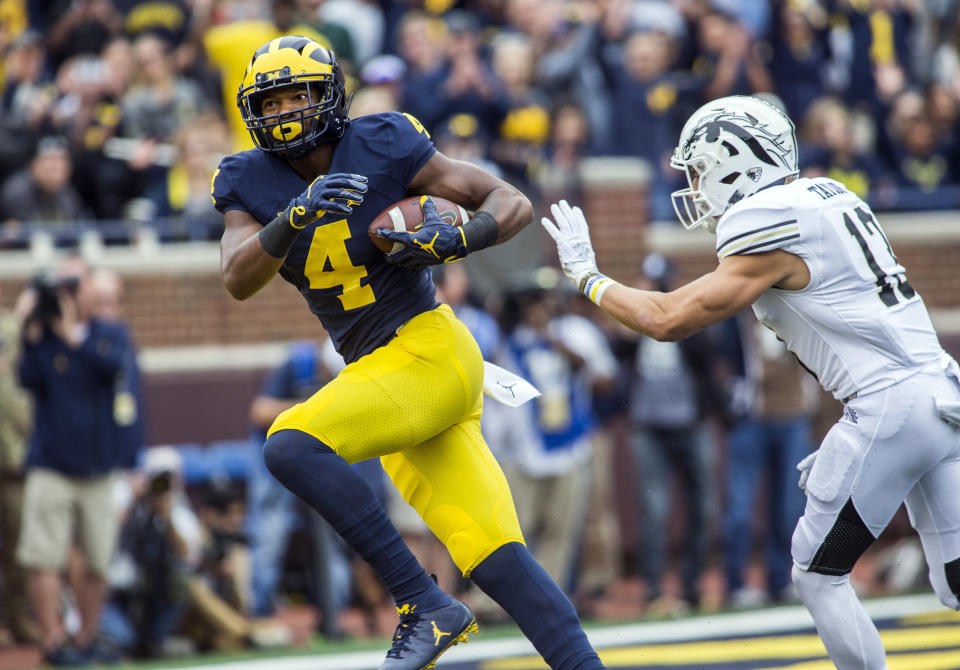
271, 517
657, 453
759, 449
140, 625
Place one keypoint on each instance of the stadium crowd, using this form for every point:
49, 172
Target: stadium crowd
210, 549
119, 110
115, 114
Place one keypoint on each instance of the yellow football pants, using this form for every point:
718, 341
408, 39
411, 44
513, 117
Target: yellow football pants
416, 403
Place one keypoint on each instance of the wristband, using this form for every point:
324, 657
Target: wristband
278, 236
595, 285
480, 231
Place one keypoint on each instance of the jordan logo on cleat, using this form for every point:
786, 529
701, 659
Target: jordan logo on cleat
437, 633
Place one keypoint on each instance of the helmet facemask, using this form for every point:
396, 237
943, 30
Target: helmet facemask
322, 119
293, 133
693, 206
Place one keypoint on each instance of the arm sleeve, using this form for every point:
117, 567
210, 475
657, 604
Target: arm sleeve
222, 188
107, 349
410, 146
755, 230
29, 368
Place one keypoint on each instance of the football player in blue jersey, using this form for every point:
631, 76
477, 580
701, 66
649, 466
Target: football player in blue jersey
300, 204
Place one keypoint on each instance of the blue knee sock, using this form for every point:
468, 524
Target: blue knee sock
512, 577
326, 482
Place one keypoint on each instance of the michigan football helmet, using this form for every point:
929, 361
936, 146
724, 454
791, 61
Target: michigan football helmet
294, 61
730, 148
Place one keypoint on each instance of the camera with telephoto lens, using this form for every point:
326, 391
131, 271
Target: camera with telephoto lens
161, 483
48, 291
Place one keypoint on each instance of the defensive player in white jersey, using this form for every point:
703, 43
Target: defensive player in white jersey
810, 257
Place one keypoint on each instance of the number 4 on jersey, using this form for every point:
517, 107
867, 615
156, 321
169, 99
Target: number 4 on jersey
891, 280
329, 265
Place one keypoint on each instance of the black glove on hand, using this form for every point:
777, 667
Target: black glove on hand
436, 241
322, 196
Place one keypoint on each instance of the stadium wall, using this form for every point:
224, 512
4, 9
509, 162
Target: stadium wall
204, 354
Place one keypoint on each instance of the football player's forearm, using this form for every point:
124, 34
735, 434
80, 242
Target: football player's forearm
511, 210
673, 316
641, 311
247, 268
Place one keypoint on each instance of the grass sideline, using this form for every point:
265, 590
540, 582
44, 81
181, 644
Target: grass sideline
505, 639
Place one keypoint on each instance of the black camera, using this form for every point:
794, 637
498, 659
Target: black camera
48, 291
161, 483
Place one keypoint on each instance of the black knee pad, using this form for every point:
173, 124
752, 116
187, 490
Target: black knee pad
844, 544
953, 576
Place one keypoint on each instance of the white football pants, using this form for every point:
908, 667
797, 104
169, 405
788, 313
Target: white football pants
888, 448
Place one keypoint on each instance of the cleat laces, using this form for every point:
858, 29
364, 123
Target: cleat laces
401, 636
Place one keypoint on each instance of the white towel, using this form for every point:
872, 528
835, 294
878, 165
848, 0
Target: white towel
506, 387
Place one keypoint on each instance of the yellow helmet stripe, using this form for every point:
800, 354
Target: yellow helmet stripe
275, 61
310, 48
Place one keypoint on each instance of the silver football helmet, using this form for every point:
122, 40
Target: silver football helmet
730, 148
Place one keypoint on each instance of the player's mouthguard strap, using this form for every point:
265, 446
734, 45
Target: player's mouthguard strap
278, 236
480, 231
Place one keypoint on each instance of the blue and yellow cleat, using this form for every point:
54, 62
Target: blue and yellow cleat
421, 637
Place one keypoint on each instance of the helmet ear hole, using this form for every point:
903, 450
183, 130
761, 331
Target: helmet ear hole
730, 178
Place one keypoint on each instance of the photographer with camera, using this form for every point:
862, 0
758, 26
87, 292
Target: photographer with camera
71, 363
160, 548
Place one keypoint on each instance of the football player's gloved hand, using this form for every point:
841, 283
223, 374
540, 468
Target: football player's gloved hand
804, 467
577, 258
436, 241
573, 241
324, 194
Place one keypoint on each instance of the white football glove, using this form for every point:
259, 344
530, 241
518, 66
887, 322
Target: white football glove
804, 467
572, 237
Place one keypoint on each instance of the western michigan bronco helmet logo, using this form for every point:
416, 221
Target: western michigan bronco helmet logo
729, 149
294, 62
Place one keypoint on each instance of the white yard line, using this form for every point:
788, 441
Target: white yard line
754, 622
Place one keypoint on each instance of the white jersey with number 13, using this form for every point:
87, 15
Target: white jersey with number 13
859, 325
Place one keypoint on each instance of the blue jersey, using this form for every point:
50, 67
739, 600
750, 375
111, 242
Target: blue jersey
359, 298
562, 415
